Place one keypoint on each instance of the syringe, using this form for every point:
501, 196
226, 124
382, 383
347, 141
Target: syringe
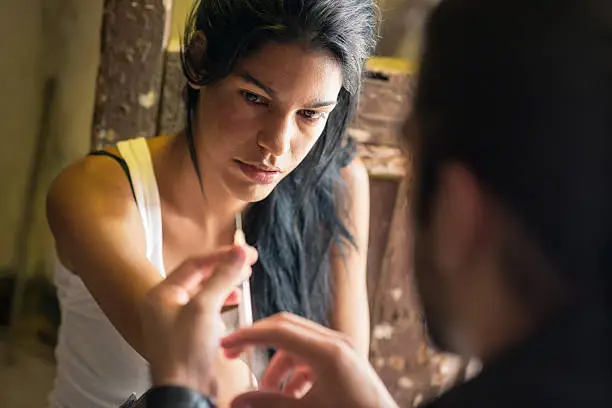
245, 309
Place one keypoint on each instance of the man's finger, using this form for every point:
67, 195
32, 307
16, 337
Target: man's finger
226, 275
307, 343
277, 371
310, 325
288, 319
191, 273
294, 320
300, 382
266, 399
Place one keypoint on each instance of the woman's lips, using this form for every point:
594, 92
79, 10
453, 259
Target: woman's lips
259, 175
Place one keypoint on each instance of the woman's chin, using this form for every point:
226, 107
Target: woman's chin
253, 193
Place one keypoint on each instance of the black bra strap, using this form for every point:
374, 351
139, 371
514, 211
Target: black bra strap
121, 162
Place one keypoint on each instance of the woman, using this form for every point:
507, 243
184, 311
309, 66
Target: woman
272, 87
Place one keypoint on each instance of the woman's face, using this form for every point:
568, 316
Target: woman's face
256, 125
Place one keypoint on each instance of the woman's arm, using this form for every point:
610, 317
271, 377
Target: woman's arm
350, 312
99, 236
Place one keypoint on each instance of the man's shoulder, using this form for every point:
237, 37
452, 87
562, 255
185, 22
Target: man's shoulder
512, 392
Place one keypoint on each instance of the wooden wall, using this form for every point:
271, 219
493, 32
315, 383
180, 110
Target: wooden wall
400, 353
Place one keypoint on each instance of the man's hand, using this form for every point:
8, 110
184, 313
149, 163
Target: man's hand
182, 318
339, 376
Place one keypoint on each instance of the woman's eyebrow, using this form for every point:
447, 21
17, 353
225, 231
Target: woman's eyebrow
323, 104
251, 79
272, 93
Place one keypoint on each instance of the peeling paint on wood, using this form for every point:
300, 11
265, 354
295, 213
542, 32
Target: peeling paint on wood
379, 362
398, 363
385, 103
383, 331
147, 100
107, 136
448, 369
405, 382
382, 161
396, 294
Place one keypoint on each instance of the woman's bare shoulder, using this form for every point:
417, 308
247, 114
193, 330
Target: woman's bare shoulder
92, 197
90, 190
91, 176
356, 178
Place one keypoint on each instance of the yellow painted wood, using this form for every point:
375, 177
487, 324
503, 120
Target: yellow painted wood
391, 65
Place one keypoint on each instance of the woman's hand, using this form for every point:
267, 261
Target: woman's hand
339, 376
182, 318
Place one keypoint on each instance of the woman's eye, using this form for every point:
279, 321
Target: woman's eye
253, 98
313, 115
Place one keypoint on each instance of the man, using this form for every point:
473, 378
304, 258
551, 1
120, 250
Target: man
512, 136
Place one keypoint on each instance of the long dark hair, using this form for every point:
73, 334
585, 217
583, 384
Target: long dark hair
296, 225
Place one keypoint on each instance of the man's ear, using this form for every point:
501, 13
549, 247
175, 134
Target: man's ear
194, 57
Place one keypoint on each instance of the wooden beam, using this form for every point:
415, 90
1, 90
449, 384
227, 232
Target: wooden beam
134, 39
172, 109
412, 371
385, 102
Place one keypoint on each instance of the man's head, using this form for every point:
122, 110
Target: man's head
512, 142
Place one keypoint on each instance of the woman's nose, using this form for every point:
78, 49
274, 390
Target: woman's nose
276, 137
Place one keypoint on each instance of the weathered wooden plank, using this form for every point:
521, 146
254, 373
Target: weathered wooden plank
400, 353
172, 110
383, 193
382, 161
386, 101
134, 37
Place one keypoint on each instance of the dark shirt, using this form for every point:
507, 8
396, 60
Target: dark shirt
567, 365
176, 397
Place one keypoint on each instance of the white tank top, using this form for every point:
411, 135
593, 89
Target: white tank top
96, 367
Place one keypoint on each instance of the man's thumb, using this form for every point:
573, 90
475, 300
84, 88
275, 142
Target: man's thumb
227, 274
266, 399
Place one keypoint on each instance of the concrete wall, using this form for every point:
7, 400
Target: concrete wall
53, 42
21, 81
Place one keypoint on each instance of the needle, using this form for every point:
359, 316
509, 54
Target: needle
245, 309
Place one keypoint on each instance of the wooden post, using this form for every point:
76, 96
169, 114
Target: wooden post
134, 39
409, 368
400, 352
